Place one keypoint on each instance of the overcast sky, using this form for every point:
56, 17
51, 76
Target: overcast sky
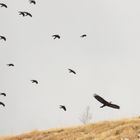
107, 62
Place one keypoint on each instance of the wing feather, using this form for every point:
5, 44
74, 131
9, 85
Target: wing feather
100, 99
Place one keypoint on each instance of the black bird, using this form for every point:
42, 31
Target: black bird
32, 1
3, 94
72, 71
3, 5
10, 65
84, 35
34, 81
62, 107
56, 36
3, 37
1, 103
105, 103
23, 13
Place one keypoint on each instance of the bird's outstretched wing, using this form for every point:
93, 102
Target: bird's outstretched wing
1, 103
62, 107
100, 99
3, 5
72, 71
114, 106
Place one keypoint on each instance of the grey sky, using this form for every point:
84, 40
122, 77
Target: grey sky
107, 62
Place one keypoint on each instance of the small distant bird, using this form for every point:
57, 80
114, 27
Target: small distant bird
3, 37
62, 107
3, 5
84, 35
24, 13
32, 1
34, 81
3, 94
1, 103
72, 71
105, 103
10, 65
56, 36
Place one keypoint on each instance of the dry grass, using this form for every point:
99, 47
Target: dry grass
108, 130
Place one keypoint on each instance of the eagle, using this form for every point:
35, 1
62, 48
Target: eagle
23, 13
32, 1
3, 5
56, 36
3, 38
34, 81
3, 94
1, 103
10, 65
72, 71
62, 107
84, 35
105, 103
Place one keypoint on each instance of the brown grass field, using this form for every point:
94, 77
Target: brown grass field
125, 129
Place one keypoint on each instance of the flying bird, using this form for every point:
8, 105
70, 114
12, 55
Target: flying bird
62, 107
3, 5
56, 36
84, 35
72, 71
105, 103
1, 103
34, 81
3, 38
32, 1
3, 94
10, 65
23, 13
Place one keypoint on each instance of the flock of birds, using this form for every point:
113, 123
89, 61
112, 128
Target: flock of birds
55, 36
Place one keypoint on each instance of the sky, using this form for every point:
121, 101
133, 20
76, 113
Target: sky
107, 62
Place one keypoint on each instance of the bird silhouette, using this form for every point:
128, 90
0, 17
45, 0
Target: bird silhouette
84, 35
1, 103
105, 103
4, 94
72, 71
62, 107
23, 13
56, 36
32, 1
3, 5
10, 65
3, 38
34, 81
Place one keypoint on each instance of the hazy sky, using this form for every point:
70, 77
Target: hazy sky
107, 62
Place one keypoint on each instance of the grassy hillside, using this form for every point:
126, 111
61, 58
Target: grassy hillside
107, 130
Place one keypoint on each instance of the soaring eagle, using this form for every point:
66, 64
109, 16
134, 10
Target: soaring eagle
105, 103
34, 81
32, 1
4, 94
62, 107
72, 71
3, 5
3, 37
23, 13
56, 36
